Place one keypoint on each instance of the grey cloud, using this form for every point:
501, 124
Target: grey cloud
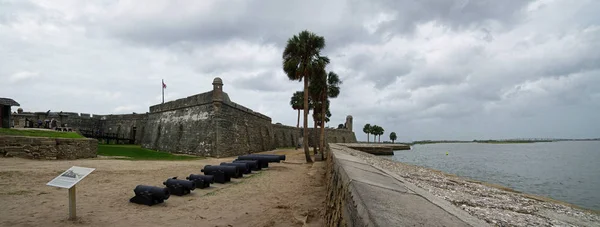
438, 70
457, 14
263, 81
271, 21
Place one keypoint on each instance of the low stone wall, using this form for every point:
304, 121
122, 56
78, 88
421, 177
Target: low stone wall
362, 194
377, 148
47, 148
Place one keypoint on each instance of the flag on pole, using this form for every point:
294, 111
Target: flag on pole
163, 91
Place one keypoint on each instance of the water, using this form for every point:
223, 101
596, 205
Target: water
565, 171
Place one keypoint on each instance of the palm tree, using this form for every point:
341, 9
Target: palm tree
331, 90
367, 130
393, 137
297, 103
375, 131
300, 53
317, 81
323, 86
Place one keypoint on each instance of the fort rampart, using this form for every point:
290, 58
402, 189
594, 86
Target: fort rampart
206, 124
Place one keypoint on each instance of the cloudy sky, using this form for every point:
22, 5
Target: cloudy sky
431, 69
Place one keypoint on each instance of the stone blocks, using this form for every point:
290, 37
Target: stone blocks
47, 148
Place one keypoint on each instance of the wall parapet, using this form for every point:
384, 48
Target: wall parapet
190, 101
246, 110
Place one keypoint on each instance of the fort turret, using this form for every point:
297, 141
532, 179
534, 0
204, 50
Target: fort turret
349, 122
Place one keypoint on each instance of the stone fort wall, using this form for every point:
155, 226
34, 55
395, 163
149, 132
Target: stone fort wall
288, 136
181, 127
126, 125
206, 124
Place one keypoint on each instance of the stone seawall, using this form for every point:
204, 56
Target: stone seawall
367, 190
47, 148
361, 194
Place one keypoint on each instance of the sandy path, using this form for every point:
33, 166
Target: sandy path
284, 195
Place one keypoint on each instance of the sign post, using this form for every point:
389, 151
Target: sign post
69, 179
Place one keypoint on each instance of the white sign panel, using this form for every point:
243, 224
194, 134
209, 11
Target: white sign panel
70, 177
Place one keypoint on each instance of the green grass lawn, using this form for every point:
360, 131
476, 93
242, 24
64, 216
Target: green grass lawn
39, 133
135, 152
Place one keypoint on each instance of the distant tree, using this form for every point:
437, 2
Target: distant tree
300, 54
367, 130
297, 103
377, 130
393, 136
340, 126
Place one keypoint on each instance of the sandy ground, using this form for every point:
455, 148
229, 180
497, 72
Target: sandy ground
286, 194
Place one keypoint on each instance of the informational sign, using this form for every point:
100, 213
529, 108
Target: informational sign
70, 177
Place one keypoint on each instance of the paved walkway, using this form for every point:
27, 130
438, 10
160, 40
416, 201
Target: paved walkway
384, 199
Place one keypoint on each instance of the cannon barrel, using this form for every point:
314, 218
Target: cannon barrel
230, 171
252, 163
179, 187
149, 195
261, 157
202, 181
262, 162
281, 157
243, 167
207, 178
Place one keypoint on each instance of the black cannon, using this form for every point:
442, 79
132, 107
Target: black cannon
269, 158
281, 157
208, 178
221, 174
149, 195
254, 166
243, 167
262, 162
179, 187
201, 181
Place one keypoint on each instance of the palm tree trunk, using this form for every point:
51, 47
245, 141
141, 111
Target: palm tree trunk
323, 115
315, 137
305, 140
367, 137
298, 123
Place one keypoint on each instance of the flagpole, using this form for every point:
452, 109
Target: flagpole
162, 85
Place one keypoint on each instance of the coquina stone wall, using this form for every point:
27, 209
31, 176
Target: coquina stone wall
206, 124
47, 148
181, 128
288, 136
240, 130
126, 125
333, 136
